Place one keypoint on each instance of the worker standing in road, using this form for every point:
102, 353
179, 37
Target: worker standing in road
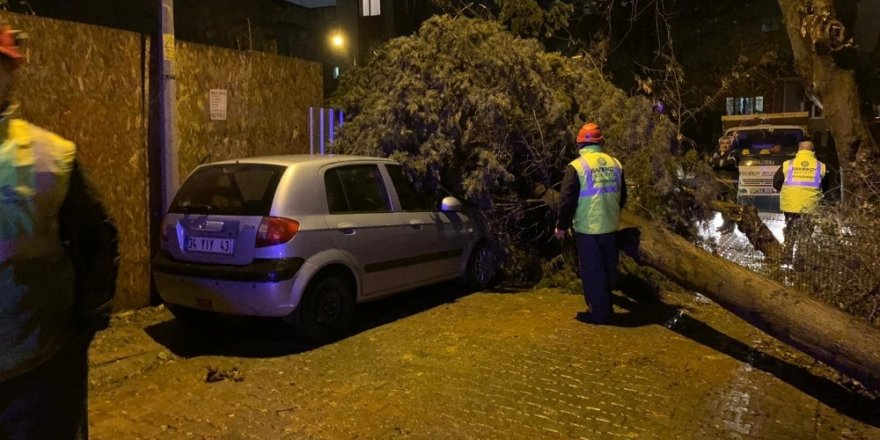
592, 195
58, 260
800, 184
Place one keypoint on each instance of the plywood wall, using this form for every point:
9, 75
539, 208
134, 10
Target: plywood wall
88, 84
267, 103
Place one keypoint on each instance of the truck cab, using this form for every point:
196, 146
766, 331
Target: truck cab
761, 150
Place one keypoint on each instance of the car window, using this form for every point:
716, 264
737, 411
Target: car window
410, 198
232, 189
355, 189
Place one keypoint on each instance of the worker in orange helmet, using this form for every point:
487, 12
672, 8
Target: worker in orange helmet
58, 262
592, 195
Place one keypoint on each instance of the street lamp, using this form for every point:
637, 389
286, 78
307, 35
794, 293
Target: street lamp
337, 40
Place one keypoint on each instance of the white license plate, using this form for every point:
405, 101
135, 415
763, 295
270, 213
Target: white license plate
210, 245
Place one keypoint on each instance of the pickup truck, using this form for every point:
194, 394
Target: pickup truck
761, 143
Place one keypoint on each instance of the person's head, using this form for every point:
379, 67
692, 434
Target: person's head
589, 134
806, 145
724, 143
10, 59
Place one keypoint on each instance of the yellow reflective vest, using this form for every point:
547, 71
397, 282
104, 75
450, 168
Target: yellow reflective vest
36, 276
802, 189
598, 208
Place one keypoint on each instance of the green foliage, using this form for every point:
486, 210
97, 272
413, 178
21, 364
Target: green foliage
523, 18
529, 19
492, 117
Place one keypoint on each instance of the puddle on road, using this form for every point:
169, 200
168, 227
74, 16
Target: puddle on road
751, 402
672, 321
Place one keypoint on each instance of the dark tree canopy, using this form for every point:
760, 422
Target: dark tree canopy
492, 117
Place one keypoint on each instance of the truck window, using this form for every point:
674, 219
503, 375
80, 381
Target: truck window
767, 142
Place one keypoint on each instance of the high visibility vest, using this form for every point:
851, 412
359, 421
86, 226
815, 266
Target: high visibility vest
802, 190
36, 276
598, 208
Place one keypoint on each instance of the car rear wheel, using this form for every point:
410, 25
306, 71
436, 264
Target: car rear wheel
324, 312
482, 268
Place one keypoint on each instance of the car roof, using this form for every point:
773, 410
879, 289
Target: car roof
310, 159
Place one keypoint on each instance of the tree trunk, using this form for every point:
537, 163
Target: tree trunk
827, 334
815, 37
759, 235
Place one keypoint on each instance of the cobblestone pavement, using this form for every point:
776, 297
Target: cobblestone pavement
436, 364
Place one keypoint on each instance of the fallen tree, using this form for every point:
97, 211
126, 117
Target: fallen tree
831, 336
497, 128
759, 235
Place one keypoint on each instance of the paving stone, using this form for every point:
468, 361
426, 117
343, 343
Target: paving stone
481, 366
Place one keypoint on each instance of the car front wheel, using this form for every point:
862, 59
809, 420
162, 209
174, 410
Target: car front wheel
324, 312
482, 268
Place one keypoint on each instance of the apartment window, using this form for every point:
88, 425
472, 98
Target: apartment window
370, 8
769, 26
816, 111
744, 105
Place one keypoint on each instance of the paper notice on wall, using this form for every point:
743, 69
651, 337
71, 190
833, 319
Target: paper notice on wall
217, 101
168, 47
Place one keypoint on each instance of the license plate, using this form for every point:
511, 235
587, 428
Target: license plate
210, 245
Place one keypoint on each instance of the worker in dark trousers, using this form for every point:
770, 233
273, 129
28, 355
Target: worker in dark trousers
592, 195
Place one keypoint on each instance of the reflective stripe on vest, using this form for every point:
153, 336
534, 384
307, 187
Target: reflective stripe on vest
802, 189
598, 209
590, 189
815, 183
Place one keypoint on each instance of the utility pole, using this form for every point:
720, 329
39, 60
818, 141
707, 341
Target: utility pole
167, 139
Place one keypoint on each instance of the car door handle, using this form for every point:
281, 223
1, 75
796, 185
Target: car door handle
416, 224
346, 228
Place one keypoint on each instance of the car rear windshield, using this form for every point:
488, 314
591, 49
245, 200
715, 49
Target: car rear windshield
232, 189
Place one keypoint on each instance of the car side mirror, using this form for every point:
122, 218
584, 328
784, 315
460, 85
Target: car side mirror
450, 204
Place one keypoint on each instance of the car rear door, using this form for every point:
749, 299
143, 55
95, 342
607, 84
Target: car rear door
363, 224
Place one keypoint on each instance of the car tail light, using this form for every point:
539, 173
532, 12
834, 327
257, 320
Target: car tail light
276, 230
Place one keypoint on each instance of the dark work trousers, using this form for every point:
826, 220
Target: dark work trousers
597, 264
48, 402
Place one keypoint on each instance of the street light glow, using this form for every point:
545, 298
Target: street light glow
337, 40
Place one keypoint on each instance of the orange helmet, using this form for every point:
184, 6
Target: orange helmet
9, 44
590, 133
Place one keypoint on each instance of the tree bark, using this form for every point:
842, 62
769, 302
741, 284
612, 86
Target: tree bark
759, 235
827, 334
815, 36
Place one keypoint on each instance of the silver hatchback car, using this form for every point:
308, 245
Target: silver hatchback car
306, 237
